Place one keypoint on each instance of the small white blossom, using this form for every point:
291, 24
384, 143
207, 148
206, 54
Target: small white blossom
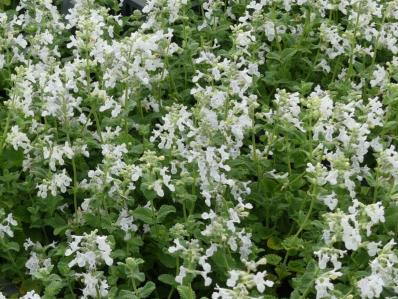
330, 201
379, 77
371, 287
31, 295
6, 224
18, 139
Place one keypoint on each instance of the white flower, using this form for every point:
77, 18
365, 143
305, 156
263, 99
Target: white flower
177, 246
105, 249
2, 61
92, 284
379, 77
288, 107
277, 176
373, 247
260, 282
376, 112
233, 278
6, 225
126, 223
330, 200
136, 173
351, 236
18, 139
166, 178
20, 41
323, 286
33, 263
326, 255
30, 295
371, 287
114, 152
58, 181
111, 104
90, 250
157, 186
180, 277
55, 154
324, 66
269, 29
375, 212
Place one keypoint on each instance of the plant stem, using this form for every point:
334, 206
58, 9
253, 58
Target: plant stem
5, 131
302, 226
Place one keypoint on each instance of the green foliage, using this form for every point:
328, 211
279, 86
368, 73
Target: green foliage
199, 149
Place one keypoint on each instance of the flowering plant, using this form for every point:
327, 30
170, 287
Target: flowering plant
199, 149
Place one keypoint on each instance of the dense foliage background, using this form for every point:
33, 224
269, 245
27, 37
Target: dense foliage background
217, 149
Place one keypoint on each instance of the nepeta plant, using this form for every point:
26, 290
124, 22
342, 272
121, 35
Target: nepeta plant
199, 149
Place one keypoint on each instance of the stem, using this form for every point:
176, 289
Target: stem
68, 128
172, 84
376, 46
85, 125
140, 109
134, 285
12, 260
353, 43
376, 186
3, 139
71, 290
302, 226
126, 94
278, 45
184, 210
177, 269
304, 296
97, 291
184, 45
285, 258
98, 125
289, 166
74, 185
193, 191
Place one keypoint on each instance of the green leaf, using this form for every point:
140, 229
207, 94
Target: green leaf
146, 290
304, 283
11, 158
144, 214
391, 216
164, 211
167, 279
54, 287
293, 243
274, 56
287, 54
274, 243
166, 259
296, 266
148, 192
222, 259
58, 223
273, 259
282, 271
63, 268
10, 246
124, 294
186, 292
132, 269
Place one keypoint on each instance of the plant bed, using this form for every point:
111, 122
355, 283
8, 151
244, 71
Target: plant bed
198, 149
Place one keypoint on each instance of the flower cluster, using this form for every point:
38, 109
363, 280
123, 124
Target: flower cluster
90, 251
215, 149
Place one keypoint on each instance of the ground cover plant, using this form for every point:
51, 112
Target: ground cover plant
199, 149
